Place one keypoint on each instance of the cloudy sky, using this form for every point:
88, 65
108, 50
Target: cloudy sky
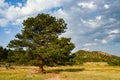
92, 24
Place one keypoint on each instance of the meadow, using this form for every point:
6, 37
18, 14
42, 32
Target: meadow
61, 73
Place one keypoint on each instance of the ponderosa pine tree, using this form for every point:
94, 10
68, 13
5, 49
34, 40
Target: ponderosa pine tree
40, 36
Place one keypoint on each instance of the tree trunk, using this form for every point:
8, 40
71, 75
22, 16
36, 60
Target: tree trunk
40, 59
40, 70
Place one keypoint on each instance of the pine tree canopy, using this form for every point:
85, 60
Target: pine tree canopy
40, 35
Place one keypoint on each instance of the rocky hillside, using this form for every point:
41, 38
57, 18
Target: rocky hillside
82, 56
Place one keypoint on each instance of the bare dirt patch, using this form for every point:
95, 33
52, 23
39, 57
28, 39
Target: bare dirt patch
53, 76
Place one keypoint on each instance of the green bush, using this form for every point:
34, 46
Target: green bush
35, 63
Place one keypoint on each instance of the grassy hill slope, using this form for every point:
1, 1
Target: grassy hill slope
82, 56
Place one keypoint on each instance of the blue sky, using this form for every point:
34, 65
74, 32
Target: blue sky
92, 24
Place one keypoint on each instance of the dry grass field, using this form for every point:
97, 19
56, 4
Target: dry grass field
61, 73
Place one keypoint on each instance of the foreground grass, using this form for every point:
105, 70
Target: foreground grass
62, 73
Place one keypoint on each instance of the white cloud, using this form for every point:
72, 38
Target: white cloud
98, 17
86, 49
19, 4
104, 41
61, 14
113, 34
92, 23
3, 22
18, 21
111, 37
112, 19
3, 4
89, 5
90, 44
115, 31
12, 13
106, 6
15, 13
33, 6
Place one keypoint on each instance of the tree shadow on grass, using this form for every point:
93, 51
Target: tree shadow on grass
64, 70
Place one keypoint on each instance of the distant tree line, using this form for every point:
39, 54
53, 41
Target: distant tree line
3, 54
8, 56
25, 57
78, 58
